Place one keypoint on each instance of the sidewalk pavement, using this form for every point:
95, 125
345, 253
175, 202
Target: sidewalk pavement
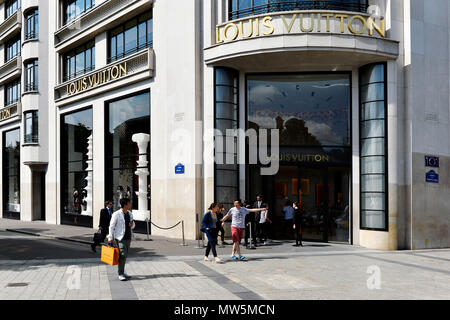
162, 246
280, 272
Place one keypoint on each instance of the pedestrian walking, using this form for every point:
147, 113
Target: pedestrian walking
209, 226
298, 223
264, 224
219, 224
237, 214
120, 231
103, 227
288, 219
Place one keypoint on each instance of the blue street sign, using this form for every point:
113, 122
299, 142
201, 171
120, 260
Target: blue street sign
179, 169
432, 177
432, 162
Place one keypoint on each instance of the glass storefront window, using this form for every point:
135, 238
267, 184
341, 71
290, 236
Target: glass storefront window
125, 118
308, 109
76, 136
11, 174
312, 113
373, 147
226, 177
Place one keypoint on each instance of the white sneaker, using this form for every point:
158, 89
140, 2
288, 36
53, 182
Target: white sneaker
122, 278
126, 276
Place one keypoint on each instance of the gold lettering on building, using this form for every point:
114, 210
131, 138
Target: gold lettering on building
268, 25
302, 27
295, 23
288, 157
96, 79
352, 29
8, 113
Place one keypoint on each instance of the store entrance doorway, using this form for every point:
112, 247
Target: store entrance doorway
322, 191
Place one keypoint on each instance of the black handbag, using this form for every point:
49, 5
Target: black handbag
98, 238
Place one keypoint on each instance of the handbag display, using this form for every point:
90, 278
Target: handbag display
110, 255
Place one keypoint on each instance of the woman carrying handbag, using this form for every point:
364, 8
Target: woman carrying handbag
209, 226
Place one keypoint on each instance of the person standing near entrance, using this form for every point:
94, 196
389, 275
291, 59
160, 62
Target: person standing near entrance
219, 224
209, 226
120, 231
103, 227
257, 205
237, 214
298, 223
264, 224
288, 219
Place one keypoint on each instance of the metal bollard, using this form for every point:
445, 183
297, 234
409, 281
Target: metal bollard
251, 246
196, 228
148, 230
182, 233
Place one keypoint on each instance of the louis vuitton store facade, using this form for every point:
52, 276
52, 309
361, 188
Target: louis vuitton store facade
330, 80
331, 104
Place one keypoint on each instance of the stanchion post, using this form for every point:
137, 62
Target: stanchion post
251, 237
182, 233
148, 230
196, 228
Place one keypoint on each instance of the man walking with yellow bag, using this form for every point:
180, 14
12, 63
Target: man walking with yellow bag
120, 230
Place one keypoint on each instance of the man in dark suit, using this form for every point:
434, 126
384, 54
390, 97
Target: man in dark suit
257, 205
105, 218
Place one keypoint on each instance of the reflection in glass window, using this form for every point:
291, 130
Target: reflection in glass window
311, 109
125, 118
373, 147
76, 129
11, 174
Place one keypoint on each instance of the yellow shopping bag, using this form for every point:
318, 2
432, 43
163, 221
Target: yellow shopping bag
110, 255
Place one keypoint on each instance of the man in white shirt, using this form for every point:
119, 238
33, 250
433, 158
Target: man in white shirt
237, 214
120, 230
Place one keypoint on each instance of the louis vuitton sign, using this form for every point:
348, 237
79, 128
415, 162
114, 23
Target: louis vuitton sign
298, 23
8, 113
99, 78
